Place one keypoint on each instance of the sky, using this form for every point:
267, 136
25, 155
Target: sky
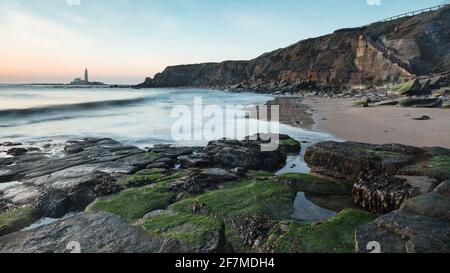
124, 41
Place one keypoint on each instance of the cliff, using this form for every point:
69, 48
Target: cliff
377, 54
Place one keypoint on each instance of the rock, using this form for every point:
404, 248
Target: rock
382, 195
134, 203
60, 198
423, 183
253, 230
17, 151
443, 189
351, 160
421, 102
195, 160
316, 185
432, 205
17, 219
285, 142
94, 233
446, 104
410, 88
244, 154
402, 231
10, 144
174, 152
197, 181
185, 232
387, 103
423, 118
387, 240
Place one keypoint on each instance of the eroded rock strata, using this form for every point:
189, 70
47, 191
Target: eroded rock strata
380, 53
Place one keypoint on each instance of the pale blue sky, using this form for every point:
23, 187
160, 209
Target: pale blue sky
125, 40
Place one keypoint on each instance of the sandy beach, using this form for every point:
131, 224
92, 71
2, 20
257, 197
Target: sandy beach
380, 125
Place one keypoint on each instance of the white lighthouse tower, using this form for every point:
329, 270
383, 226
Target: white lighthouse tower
86, 76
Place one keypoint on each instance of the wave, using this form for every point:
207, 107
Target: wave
72, 107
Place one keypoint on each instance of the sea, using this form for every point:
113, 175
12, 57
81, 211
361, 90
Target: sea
142, 117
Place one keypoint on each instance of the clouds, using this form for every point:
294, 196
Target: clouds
374, 2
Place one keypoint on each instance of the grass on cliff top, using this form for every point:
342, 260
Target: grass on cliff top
194, 230
317, 185
336, 235
437, 167
17, 219
133, 204
238, 200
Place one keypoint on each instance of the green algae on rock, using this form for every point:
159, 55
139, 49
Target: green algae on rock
336, 235
199, 234
17, 219
241, 199
133, 204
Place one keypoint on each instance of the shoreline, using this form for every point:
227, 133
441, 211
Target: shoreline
378, 125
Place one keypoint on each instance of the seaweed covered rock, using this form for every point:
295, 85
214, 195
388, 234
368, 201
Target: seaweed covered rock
245, 154
382, 194
351, 160
335, 235
197, 181
435, 163
185, 232
93, 233
17, 219
133, 204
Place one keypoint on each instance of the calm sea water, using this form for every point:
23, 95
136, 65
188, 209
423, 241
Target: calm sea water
138, 117
30, 114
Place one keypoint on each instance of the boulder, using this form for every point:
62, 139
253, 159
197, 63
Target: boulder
16, 219
387, 103
402, 231
197, 181
431, 204
443, 189
185, 232
17, 151
93, 233
382, 194
410, 88
421, 102
59, 198
315, 185
351, 160
246, 154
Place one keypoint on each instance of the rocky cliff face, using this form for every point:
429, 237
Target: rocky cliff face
377, 54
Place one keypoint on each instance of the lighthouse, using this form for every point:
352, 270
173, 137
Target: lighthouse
86, 76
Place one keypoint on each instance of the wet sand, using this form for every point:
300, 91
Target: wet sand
380, 125
294, 112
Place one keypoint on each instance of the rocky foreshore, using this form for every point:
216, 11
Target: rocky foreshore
110, 197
